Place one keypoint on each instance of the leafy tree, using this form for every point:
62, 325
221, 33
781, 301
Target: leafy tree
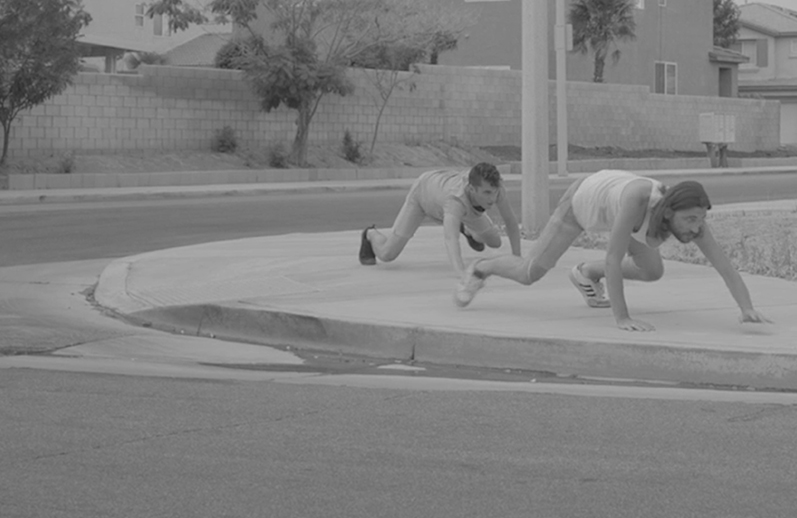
443, 40
39, 54
384, 65
232, 52
306, 53
598, 25
726, 22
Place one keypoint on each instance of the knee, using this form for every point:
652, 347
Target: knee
492, 241
390, 249
533, 273
389, 255
652, 274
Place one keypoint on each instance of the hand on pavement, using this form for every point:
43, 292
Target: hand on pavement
629, 324
753, 316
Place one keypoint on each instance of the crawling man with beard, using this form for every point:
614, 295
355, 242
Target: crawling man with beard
640, 214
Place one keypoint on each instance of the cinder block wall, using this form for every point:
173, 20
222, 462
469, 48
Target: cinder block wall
172, 108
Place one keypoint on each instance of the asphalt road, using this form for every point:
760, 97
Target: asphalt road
67, 232
78, 445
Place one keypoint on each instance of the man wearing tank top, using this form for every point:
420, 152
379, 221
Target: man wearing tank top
640, 214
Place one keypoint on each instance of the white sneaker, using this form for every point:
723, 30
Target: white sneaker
468, 285
592, 291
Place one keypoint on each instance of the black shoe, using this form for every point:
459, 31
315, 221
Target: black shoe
367, 255
476, 245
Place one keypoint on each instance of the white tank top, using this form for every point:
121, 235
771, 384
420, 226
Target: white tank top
596, 202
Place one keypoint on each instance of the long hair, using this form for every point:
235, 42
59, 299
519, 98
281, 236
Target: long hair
682, 196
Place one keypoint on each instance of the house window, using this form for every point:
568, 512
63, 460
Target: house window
157, 25
139, 15
666, 78
757, 51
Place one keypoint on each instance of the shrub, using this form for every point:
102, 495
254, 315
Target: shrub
225, 141
134, 59
351, 148
67, 164
277, 156
232, 54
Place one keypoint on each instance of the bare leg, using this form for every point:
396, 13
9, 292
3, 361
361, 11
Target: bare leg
491, 238
642, 264
556, 238
386, 248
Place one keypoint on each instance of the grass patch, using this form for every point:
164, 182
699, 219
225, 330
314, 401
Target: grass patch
760, 243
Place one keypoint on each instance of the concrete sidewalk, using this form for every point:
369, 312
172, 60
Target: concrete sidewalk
309, 291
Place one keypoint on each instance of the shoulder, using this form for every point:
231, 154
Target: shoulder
455, 205
638, 189
636, 195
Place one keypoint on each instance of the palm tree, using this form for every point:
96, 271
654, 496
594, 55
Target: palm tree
598, 25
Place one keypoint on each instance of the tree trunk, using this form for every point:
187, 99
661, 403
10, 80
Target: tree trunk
299, 149
6, 139
376, 127
385, 94
600, 62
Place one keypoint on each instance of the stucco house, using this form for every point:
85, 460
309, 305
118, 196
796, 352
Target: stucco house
199, 52
121, 26
768, 36
673, 52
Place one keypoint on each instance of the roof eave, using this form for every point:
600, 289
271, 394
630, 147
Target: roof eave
763, 30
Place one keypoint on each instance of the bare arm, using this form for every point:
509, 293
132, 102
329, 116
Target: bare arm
713, 252
512, 227
633, 207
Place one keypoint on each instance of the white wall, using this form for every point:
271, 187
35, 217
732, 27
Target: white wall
788, 123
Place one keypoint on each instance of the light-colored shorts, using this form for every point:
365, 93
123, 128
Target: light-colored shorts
412, 215
562, 229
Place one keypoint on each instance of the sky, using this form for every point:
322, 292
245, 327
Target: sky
791, 4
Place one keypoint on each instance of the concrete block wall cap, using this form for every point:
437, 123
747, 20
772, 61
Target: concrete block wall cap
721, 171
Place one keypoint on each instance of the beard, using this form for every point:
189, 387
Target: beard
683, 237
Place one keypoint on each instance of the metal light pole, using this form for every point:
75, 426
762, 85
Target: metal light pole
534, 120
562, 44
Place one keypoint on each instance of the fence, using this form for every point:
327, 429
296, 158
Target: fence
173, 108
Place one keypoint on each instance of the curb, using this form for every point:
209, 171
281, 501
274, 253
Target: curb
41, 196
596, 359
134, 194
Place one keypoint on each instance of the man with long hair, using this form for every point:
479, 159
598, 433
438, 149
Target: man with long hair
640, 214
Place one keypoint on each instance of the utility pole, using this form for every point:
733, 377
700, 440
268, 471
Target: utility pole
562, 43
534, 120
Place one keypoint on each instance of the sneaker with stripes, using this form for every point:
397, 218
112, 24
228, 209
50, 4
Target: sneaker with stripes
592, 291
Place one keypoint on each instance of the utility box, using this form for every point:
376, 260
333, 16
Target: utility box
717, 128
716, 132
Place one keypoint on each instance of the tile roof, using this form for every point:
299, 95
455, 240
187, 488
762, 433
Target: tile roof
198, 52
769, 19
